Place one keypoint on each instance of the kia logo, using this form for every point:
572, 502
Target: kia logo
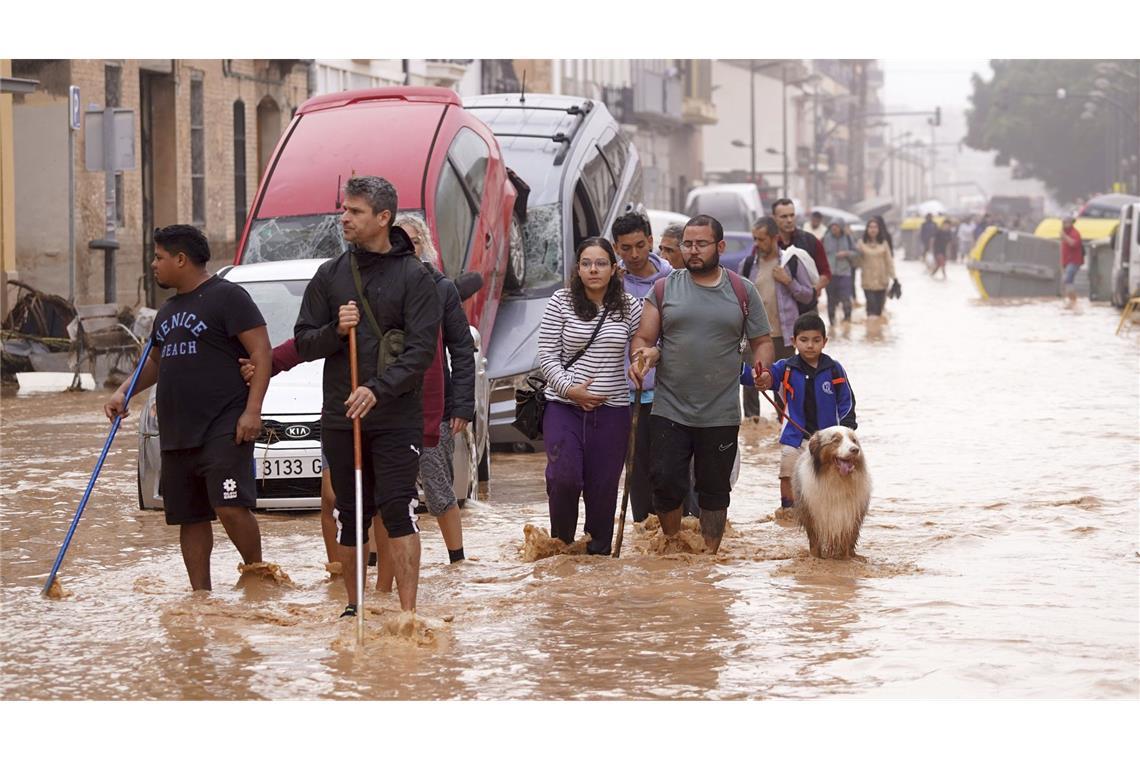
298, 431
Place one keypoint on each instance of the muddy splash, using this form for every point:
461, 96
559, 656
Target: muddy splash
384, 627
55, 590
266, 571
539, 544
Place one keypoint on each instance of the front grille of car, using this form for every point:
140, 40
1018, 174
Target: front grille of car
273, 431
288, 488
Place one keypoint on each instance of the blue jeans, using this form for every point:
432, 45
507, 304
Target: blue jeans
1071, 273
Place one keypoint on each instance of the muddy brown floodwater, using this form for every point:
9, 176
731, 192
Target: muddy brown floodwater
1000, 555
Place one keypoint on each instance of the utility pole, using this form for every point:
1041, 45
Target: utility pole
784, 110
752, 118
891, 157
857, 176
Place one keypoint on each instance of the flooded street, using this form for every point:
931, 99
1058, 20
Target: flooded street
1000, 556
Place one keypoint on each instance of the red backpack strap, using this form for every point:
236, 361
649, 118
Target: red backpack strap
659, 293
738, 287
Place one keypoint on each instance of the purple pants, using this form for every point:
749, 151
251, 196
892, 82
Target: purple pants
585, 454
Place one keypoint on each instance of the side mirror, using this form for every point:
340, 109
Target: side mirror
468, 284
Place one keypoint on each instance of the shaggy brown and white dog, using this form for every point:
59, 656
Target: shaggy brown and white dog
832, 491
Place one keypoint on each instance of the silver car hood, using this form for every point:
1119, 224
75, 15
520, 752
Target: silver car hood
513, 348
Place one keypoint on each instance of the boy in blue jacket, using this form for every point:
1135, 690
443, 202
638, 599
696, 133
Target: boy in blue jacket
815, 392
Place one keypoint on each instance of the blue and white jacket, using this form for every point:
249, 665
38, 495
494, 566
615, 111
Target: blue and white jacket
814, 397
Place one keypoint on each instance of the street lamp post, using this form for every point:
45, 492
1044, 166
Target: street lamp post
752, 119
784, 119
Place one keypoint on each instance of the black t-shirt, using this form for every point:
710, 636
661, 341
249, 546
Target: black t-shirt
200, 390
941, 242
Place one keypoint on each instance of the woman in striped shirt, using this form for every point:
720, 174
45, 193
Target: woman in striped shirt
586, 423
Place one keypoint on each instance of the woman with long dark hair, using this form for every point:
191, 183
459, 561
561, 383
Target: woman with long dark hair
582, 344
878, 265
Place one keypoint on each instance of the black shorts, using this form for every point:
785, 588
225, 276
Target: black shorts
219, 473
390, 462
712, 451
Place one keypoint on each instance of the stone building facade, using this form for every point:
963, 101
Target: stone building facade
203, 132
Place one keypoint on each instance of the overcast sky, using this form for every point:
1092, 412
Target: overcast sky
925, 84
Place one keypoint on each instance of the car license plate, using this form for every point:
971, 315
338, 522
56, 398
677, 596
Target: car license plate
284, 466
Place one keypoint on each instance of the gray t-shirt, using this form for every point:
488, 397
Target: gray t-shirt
698, 376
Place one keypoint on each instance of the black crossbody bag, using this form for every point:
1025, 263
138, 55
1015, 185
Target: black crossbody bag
392, 341
530, 402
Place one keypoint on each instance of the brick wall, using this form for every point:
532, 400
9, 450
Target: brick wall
251, 81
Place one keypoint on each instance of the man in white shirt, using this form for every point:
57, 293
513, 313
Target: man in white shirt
816, 225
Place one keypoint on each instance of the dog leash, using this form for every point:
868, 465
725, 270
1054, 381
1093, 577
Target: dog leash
781, 414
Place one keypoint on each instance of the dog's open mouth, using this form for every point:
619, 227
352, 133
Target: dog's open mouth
845, 466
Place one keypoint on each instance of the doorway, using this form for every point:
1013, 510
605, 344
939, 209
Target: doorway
159, 165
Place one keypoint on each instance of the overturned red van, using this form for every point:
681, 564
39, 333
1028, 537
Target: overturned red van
444, 162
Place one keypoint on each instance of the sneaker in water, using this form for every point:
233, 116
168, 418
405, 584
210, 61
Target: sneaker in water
349, 611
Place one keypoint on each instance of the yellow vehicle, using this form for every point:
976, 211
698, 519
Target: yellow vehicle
1090, 229
909, 238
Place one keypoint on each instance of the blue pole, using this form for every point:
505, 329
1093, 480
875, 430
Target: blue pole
98, 467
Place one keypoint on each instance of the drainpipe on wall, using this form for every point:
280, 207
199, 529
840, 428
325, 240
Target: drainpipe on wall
311, 82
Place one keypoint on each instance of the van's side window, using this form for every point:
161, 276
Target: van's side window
599, 182
616, 151
458, 198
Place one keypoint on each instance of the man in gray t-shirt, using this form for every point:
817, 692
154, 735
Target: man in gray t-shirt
696, 409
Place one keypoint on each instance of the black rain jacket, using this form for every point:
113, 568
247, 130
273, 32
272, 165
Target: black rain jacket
403, 296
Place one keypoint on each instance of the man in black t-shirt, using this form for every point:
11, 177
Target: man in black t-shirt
207, 417
941, 245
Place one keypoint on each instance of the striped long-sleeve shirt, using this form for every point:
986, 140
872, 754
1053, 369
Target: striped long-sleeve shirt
562, 334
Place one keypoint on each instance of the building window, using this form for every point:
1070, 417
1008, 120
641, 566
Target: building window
120, 214
112, 85
239, 168
197, 153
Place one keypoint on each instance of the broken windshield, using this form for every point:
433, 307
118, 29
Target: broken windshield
542, 240
294, 237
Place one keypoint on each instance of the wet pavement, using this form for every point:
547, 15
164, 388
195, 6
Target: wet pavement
999, 558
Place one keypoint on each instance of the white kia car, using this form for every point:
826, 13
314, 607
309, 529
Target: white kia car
288, 453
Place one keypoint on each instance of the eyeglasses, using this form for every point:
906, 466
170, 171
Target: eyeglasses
600, 264
699, 245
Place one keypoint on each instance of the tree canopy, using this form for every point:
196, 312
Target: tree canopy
1019, 114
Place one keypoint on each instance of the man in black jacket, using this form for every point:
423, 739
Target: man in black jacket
398, 295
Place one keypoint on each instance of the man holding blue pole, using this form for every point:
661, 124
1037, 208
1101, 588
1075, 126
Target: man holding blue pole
208, 418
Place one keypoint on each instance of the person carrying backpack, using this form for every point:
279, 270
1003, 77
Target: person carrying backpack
700, 315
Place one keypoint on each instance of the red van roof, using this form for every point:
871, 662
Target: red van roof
440, 95
392, 131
